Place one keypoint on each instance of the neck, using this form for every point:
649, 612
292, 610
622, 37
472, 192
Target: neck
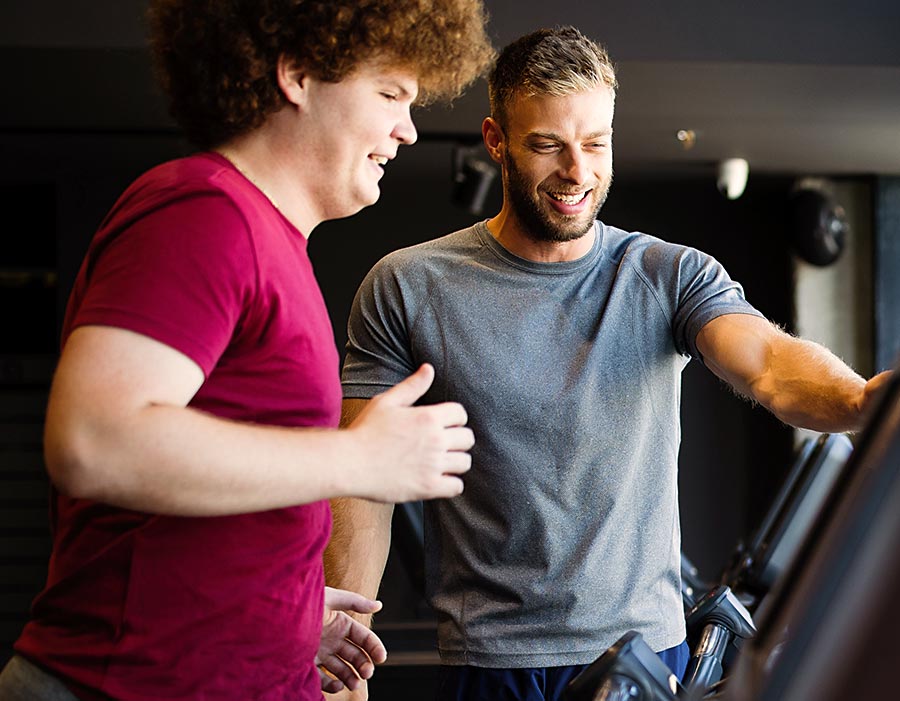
260, 160
509, 232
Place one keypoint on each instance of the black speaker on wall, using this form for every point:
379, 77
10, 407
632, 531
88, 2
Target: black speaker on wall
818, 226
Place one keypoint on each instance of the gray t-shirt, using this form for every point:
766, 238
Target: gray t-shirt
567, 534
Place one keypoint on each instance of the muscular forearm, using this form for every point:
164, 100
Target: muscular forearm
801, 382
809, 387
360, 535
356, 556
359, 546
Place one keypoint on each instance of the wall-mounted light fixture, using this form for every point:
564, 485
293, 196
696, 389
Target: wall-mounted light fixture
731, 178
473, 174
687, 138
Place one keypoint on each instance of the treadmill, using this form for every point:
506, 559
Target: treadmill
775, 544
828, 630
719, 621
755, 566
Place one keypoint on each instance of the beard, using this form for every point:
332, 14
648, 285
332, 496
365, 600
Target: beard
537, 221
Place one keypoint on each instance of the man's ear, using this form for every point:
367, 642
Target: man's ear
292, 80
493, 138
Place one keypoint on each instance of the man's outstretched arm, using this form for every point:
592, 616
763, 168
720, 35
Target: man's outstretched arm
801, 382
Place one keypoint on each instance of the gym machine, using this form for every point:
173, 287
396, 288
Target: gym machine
631, 671
828, 629
718, 617
756, 566
628, 671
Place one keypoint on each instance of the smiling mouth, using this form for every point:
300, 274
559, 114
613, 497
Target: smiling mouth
569, 199
380, 160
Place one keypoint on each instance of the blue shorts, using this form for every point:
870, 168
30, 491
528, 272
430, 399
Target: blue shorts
467, 683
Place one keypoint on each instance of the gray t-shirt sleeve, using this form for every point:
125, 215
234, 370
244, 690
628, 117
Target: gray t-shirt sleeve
378, 348
693, 288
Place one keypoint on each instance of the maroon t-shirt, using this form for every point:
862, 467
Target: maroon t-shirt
142, 607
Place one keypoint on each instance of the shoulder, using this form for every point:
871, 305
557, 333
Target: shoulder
199, 195
409, 275
651, 256
176, 220
188, 183
636, 246
201, 172
430, 257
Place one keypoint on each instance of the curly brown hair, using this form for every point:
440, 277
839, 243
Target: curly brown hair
216, 59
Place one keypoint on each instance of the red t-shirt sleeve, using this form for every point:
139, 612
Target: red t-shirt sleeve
182, 274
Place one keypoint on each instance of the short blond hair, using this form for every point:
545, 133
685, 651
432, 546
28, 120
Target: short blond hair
557, 62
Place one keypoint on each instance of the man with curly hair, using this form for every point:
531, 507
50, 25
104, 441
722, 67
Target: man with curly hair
191, 432
569, 365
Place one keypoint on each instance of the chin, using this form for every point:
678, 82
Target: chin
370, 197
359, 204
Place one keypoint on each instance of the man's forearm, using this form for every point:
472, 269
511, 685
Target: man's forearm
360, 534
359, 546
175, 460
808, 386
802, 383
120, 430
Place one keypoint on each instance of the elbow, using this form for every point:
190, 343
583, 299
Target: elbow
763, 391
788, 415
69, 458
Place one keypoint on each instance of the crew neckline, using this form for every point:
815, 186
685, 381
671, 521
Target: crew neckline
557, 268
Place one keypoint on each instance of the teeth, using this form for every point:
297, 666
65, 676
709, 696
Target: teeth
380, 160
568, 199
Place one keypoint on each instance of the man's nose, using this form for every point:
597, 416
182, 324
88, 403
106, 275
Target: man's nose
574, 166
405, 130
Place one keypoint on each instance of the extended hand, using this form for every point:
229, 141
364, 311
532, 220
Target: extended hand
873, 389
412, 452
348, 650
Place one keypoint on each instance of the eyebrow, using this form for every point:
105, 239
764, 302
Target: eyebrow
556, 137
400, 88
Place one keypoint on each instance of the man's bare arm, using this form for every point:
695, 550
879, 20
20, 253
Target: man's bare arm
801, 382
360, 542
360, 536
119, 431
